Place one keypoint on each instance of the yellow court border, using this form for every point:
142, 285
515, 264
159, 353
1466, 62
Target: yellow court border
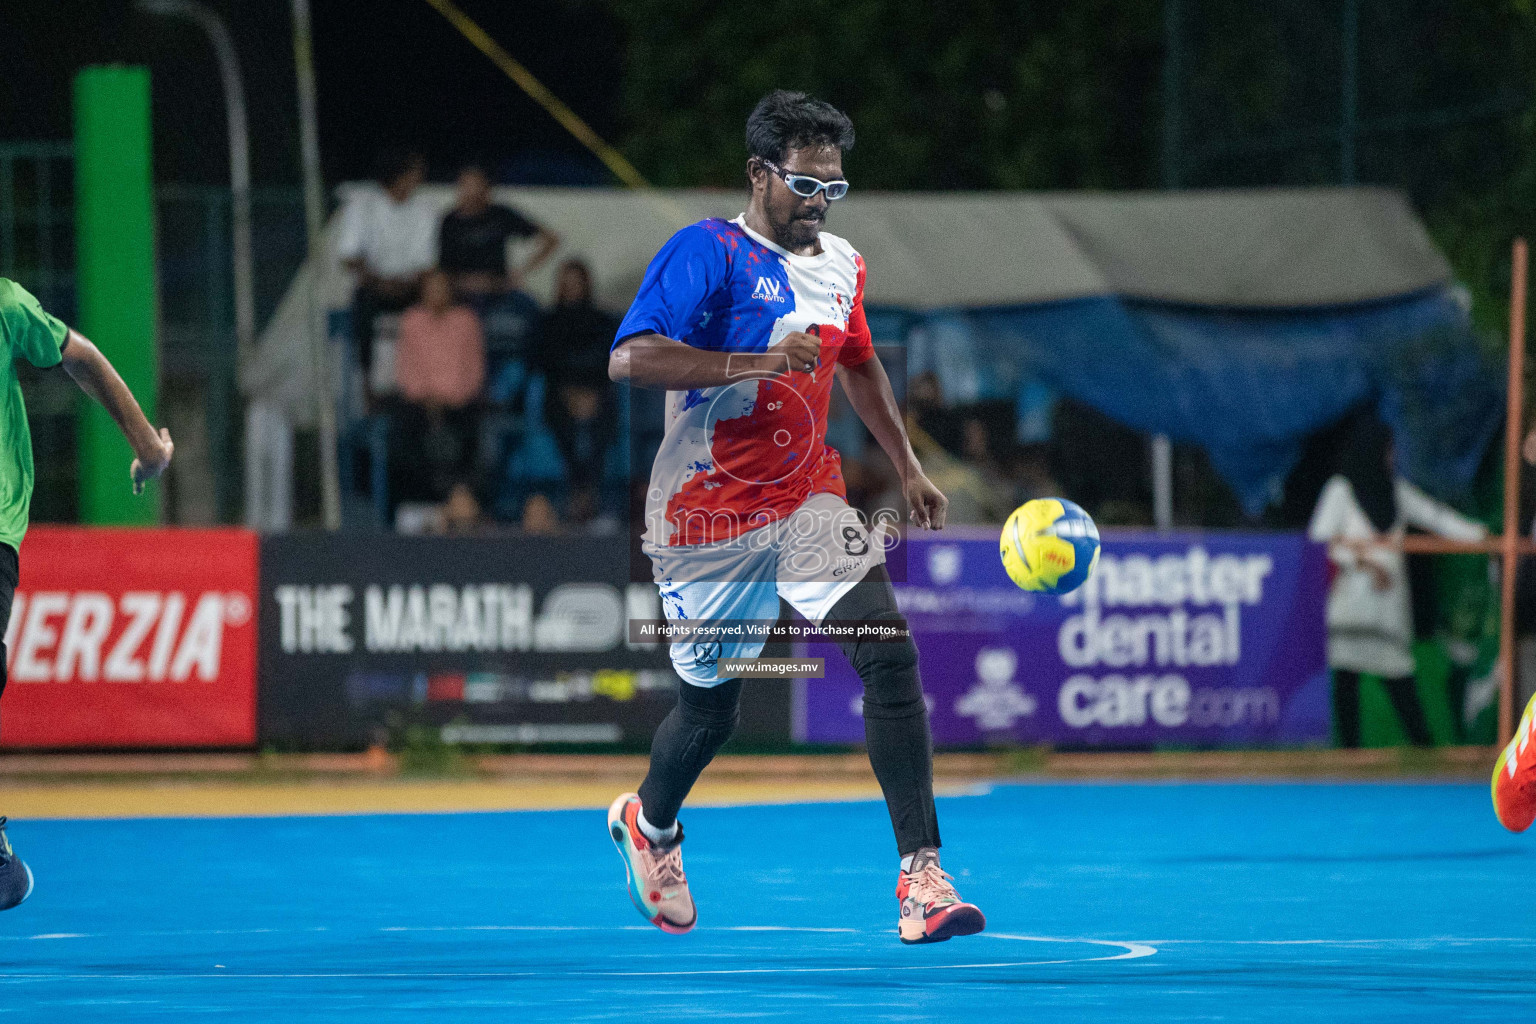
223, 799
193, 785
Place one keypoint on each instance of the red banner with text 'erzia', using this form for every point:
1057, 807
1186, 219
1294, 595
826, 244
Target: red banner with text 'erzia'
132, 638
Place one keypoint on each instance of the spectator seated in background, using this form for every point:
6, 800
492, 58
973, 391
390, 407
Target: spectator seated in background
539, 516
996, 496
388, 241
972, 499
1029, 467
579, 403
926, 406
472, 249
440, 374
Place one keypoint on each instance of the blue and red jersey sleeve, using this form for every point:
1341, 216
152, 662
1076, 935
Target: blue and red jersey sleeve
677, 286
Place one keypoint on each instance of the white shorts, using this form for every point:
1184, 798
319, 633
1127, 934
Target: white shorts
811, 558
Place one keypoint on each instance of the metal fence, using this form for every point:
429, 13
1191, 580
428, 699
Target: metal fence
199, 398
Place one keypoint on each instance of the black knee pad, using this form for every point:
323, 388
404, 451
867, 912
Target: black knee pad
888, 668
710, 713
892, 688
878, 655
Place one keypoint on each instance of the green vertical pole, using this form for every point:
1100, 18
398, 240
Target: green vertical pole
115, 274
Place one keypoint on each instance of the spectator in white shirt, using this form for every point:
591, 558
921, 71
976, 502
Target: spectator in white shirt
1370, 618
389, 241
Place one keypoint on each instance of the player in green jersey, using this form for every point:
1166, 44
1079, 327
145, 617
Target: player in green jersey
28, 332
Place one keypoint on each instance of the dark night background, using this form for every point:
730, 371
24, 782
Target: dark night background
946, 94
391, 72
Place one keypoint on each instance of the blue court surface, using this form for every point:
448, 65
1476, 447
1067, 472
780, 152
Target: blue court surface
1105, 902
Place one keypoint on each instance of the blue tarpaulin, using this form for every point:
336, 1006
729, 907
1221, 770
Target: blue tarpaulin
1248, 386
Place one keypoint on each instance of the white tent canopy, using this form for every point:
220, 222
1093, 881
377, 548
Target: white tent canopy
1254, 249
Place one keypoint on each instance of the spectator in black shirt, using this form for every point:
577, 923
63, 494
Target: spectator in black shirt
472, 244
579, 403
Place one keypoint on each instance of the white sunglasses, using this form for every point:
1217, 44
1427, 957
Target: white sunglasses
805, 186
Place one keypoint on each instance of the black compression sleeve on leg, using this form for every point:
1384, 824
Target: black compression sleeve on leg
895, 715
687, 740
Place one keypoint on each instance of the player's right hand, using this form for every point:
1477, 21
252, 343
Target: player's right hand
799, 350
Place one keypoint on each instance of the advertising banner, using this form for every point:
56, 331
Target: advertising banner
502, 640
1199, 639
132, 638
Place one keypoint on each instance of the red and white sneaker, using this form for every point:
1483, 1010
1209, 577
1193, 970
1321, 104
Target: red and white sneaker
657, 886
1514, 776
931, 910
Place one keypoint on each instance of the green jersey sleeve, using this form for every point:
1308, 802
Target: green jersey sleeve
30, 331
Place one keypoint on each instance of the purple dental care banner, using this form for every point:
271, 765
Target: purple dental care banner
1186, 639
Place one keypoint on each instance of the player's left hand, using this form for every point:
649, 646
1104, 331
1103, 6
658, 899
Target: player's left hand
149, 465
926, 504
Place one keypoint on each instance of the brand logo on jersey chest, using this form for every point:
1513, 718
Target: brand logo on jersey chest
768, 290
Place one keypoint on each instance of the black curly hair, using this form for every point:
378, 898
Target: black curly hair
784, 120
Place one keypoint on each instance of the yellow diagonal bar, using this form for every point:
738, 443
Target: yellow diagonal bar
622, 168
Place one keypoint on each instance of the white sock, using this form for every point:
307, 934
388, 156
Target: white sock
933, 856
654, 834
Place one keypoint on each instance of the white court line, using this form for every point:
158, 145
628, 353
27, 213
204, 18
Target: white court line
605, 928
1338, 942
1131, 951
424, 928
163, 934
774, 928
770, 928
516, 928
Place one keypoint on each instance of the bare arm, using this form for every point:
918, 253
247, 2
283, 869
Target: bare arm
869, 392
547, 242
665, 364
96, 376
1420, 510
400, 287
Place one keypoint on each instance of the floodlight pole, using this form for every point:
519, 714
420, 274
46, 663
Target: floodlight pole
241, 257
314, 221
239, 158
1513, 433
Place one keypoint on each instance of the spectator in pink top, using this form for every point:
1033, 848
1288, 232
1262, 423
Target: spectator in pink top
440, 375
440, 360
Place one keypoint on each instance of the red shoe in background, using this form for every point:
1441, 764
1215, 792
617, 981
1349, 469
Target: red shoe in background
1514, 776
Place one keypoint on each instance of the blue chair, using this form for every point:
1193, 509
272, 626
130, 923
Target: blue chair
533, 463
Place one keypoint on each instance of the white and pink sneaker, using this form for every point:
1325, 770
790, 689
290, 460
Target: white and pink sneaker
931, 909
657, 885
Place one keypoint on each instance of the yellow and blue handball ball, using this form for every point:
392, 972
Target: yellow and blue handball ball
1049, 546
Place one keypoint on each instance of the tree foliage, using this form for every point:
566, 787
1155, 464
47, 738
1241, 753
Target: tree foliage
958, 94
989, 94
